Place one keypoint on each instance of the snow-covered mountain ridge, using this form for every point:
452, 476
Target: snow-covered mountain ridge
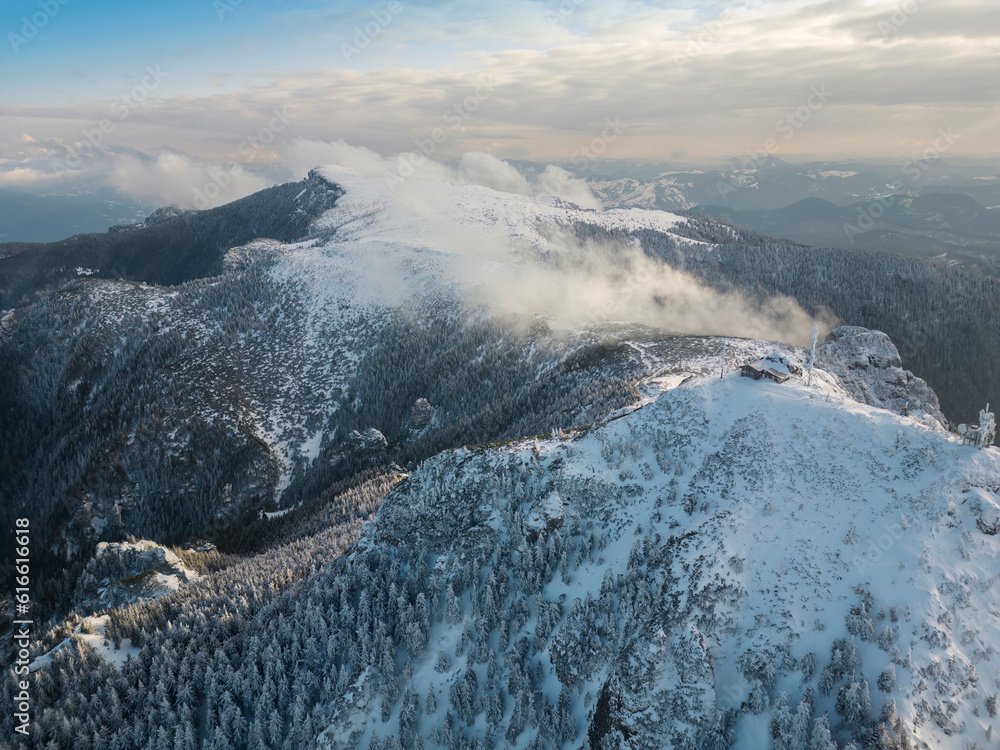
675, 553
280, 357
203, 403
724, 566
428, 213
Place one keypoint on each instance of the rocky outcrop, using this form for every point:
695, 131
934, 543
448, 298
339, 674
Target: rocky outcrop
127, 572
421, 415
869, 368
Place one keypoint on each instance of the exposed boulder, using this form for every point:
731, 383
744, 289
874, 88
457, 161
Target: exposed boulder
869, 368
369, 439
127, 572
421, 415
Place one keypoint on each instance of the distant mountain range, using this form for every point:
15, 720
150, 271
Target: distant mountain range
935, 209
949, 228
930, 209
773, 183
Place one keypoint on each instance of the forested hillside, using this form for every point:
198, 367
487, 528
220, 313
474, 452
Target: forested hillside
704, 571
277, 371
251, 415
167, 252
945, 322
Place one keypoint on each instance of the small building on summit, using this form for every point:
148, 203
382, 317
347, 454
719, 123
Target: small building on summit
777, 377
774, 367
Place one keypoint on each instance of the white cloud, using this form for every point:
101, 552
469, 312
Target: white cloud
474, 167
25, 177
167, 178
170, 178
177, 180
558, 182
483, 169
502, 256
897, 76
592, 282
301, 155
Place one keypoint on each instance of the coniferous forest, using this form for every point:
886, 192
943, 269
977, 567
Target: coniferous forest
250, 430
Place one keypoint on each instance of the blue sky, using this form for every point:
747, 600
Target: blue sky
686, 80
91, 49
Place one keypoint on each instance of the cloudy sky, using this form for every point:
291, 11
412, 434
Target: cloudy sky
143, 96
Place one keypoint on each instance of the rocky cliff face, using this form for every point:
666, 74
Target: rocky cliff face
869, 368
127, 572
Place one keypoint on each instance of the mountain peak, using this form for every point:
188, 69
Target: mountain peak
727, 552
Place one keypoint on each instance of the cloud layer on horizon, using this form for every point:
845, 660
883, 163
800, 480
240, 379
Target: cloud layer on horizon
171, 179
541, 79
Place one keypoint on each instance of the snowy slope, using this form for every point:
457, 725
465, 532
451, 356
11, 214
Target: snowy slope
266, 355
733, 559
427, 249
262, 360
94, 633
426, 213
422, 248
670, 192
681, 560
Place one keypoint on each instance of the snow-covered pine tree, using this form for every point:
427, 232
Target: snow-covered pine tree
887, 680
781, 724
821, 738
854, 703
